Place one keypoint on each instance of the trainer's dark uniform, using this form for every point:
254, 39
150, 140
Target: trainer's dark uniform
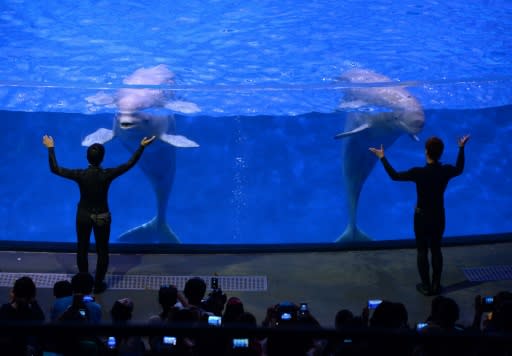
93, 212
429, 216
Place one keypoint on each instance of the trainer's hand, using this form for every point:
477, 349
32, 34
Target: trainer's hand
48, 141
379, 152
462, 140
146, 141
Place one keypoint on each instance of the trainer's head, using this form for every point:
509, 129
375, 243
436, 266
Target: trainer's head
95, 154
434, 148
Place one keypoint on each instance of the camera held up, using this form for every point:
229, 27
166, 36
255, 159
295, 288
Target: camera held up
216, 299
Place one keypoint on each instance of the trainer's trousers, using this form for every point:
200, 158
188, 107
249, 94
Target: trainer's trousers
428, 229
84, 226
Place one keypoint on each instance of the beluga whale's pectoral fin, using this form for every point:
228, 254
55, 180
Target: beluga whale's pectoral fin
181, 106
178, 141
415, 138
353, 132
101, 135
352, 104
101, 98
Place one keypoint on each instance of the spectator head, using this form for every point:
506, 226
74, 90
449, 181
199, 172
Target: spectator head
24, 289
344, 318
248, 319
95, 154
502, 297
195, 289
445, 312
402, 315
62, 289
502, 316
233, 309
82, 283
167, 296
388, 315
434, 307
186, 316
122, 310
434, 148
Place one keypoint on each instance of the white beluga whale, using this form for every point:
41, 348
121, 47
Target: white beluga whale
398, 113
159, 161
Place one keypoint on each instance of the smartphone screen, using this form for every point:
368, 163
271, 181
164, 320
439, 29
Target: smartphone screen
374, 303
170, 340
240, 343
111, 342
88, 298
420, 326
214, 320
286, 316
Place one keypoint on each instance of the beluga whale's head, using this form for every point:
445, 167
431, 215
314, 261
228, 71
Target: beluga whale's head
397, 108
409, 120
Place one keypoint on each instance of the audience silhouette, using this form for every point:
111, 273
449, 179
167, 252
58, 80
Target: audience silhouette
81, 285
22, 307
121, 314
296, 325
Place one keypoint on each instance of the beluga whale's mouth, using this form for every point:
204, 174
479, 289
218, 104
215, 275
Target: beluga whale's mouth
126, 121
127, 125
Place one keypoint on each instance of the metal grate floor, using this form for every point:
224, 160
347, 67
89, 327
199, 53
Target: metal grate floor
489, 273
144, 282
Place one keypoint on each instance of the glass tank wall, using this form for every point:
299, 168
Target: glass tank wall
252, 180
246, 100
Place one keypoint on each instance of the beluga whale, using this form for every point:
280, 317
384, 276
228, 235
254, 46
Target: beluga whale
130, 124
377, 113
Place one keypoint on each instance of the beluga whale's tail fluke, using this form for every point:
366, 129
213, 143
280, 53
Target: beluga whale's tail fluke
156, 230
398, 112
353, 233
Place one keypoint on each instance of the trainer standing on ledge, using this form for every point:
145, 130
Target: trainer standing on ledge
429, 216
92, 211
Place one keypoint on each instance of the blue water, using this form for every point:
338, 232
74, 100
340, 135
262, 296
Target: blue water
265, 77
